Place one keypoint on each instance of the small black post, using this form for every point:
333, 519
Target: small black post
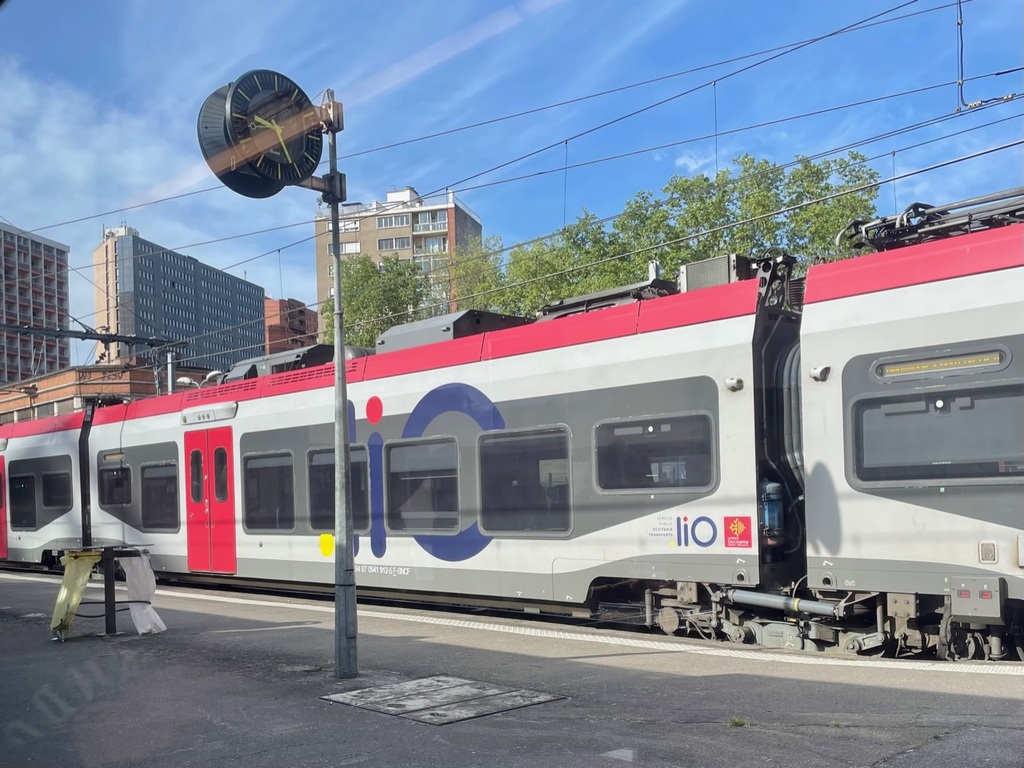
109, 602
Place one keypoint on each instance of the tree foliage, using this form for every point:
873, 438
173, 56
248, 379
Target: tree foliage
376, 297
745, 209
476, 276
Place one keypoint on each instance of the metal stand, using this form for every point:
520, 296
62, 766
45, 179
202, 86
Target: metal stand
108, 559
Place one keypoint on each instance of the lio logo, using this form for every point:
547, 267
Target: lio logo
702, 531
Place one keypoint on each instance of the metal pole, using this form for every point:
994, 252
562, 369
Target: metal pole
345, 662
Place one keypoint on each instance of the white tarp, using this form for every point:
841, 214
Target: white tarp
138, 572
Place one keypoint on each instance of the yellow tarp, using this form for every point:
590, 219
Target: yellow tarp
77, 569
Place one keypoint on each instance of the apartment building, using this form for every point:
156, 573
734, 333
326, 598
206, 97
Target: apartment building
34, 295
426, 231
143, 289
290, 324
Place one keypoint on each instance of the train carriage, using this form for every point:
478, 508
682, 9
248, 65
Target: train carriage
797, 462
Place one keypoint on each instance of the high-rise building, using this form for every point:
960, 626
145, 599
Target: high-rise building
145, 290
34, 295
426, 231
290, 325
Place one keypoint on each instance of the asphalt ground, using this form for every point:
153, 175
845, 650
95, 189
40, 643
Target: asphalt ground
239, 679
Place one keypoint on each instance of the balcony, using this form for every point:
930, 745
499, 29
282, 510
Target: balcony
432, 226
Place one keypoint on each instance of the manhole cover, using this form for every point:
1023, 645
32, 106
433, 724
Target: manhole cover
441, 700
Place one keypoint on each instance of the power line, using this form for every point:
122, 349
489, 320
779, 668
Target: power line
731, 225
846, 147
779, 50
688, 91
593, 129
731, 131
630, 86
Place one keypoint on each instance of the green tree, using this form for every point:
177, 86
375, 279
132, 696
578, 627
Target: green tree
745, 209
376, 297
748, 210
476, 275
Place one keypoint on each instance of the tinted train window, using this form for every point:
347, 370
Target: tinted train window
220, 474
115, 486
23, 502
160, 497
269, 492
524, 481
422, 486
57, 490
668, 453
941, 435
321, 490
195, 471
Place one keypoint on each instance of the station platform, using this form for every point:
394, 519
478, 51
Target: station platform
240, 679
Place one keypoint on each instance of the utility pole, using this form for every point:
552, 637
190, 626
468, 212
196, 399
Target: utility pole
345, 624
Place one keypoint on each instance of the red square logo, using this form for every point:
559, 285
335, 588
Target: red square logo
738, 532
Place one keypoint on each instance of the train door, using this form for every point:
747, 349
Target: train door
3, 510
210, 500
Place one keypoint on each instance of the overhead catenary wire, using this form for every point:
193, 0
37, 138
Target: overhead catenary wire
594, 161
775, 53
651, 106
534, 110
730, 225
850, 145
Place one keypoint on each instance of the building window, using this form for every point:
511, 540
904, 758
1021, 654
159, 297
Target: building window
434, 244
394, 243
347, 249
431, 221
344, 225
524, 481
395, 220
422, 486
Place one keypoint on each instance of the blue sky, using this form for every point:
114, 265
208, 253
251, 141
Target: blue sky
100, 101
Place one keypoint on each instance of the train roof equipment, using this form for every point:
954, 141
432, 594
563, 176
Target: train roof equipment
456, 325
613, 297
921, 223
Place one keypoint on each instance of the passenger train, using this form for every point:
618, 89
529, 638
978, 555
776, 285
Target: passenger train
795, 459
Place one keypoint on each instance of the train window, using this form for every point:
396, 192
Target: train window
57, 490
115, 486
668, 453
195, 471
40, 490
945, 435
23, 502
524, 481
422, 486
160, 497
269, 492
220, 474
321, 490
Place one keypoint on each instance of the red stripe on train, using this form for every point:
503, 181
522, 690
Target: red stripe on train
959, 256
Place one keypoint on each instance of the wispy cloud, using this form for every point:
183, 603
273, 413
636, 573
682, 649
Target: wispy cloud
437, 53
